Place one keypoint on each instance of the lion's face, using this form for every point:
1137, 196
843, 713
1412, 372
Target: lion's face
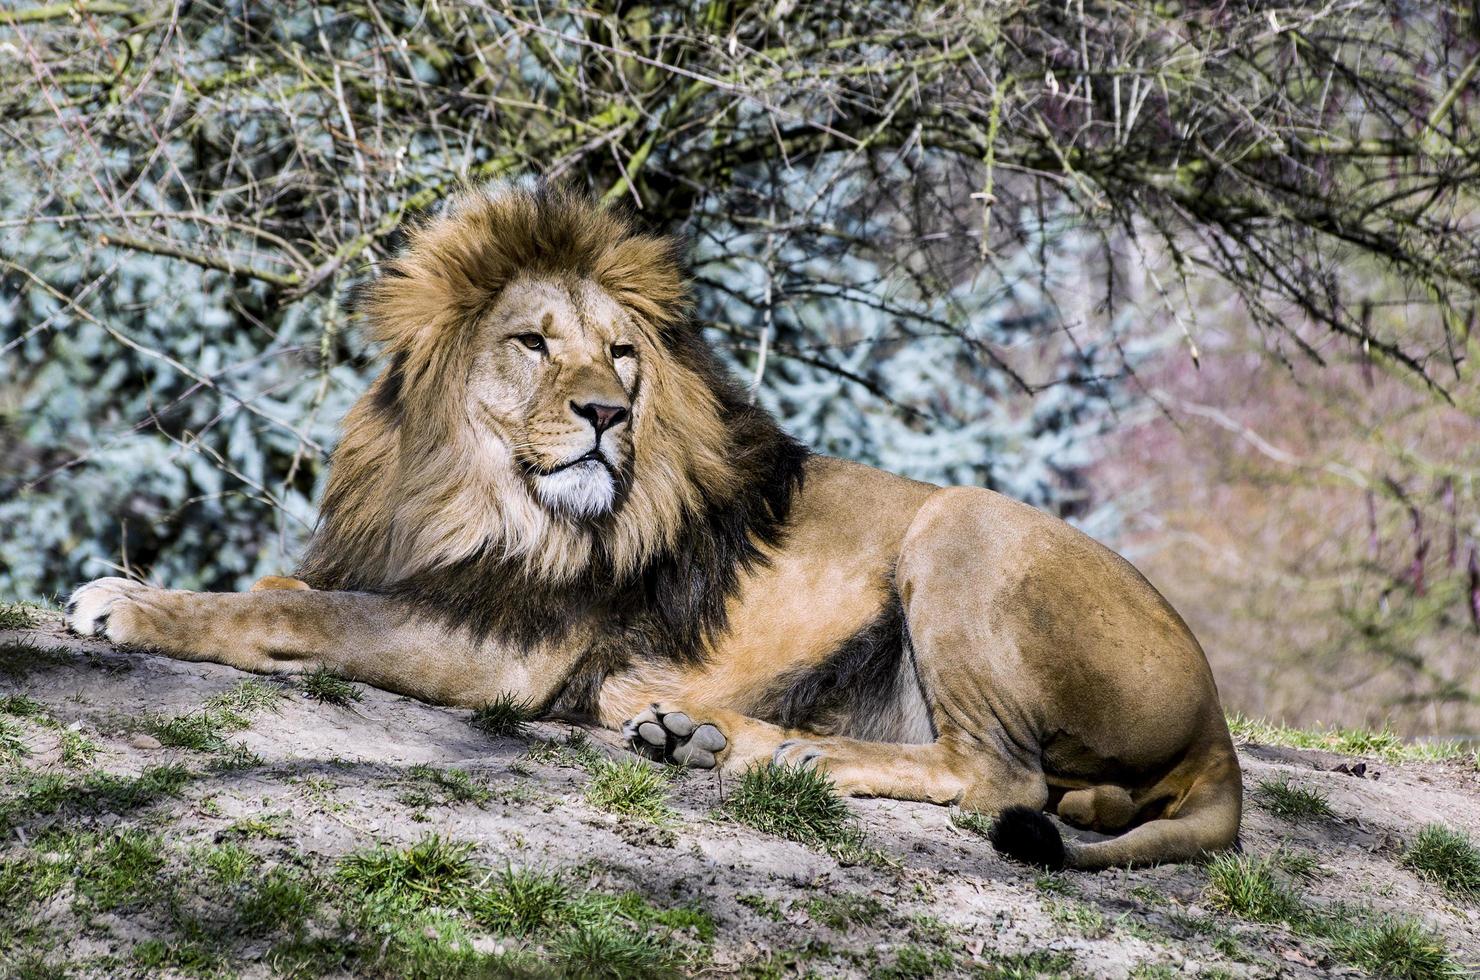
554, 379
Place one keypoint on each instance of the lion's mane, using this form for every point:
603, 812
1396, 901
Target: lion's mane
414, 508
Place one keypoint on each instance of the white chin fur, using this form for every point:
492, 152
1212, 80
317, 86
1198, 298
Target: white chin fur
583, 490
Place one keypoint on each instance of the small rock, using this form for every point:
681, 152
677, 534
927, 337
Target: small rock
143, 741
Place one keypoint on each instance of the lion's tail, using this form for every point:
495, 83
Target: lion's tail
1207, 821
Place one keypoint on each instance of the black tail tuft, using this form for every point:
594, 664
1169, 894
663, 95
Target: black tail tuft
1025, 834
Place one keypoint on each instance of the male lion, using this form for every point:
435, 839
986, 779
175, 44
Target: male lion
553, 490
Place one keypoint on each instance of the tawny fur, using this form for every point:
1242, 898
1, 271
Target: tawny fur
947, 645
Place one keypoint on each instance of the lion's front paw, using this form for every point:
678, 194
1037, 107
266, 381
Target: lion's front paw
91, 608
673, 736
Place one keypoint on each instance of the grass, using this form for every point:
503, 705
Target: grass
406, 911
205, 730
1390, 947
1398, 948
1077, 917
228, 863
506, 716
280, 898
327, 687
801, 805
1029, 966
631, 788
1446, 857
583, 933
430, 871
429, 786
976, 823
575, 749
1249, 888
20, 657
12, 745
77, 749
1284, 799
762, 906
246, 698
916, 963
604, 951
269, 826
98, 792
21, 706
112, 872
841, 911
20, 615
1375, 743
521, 901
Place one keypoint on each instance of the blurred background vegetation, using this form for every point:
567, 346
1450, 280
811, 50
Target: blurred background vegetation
1201, 278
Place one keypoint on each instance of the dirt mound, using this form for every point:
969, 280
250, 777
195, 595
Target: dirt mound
162, 818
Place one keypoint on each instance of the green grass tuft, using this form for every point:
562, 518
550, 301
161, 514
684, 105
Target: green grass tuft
521, 901
96, 792
327, 687
205, 730
576, 749
631, 788
115, 871
433, 871
506, 716
280, 899
429, 786
1398, 948
202, 731
977, 823
841, 911
1446, 857
1380, 743
599, 950
1077, 917
19, 658
19, 615
21, 706
1248, 887
1283, 798
1387, 947
1029, 966
78, 750
228, 863
916, 963
247, 697
12, 744
798, 804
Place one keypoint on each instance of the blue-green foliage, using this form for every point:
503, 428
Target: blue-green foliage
177, 419
112, 454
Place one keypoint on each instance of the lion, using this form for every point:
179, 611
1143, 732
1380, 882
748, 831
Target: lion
553, 491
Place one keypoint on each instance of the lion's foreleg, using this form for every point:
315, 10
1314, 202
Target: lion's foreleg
358, 635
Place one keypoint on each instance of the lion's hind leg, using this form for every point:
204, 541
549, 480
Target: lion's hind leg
951, 770
1105, 809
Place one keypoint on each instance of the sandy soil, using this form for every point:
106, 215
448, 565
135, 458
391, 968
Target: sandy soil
330, 774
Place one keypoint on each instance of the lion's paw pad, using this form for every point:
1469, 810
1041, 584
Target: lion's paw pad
672, 736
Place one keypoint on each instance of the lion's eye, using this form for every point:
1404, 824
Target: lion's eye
621, 350
533, 341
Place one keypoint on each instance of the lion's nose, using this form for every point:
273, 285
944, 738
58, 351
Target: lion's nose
601, 417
